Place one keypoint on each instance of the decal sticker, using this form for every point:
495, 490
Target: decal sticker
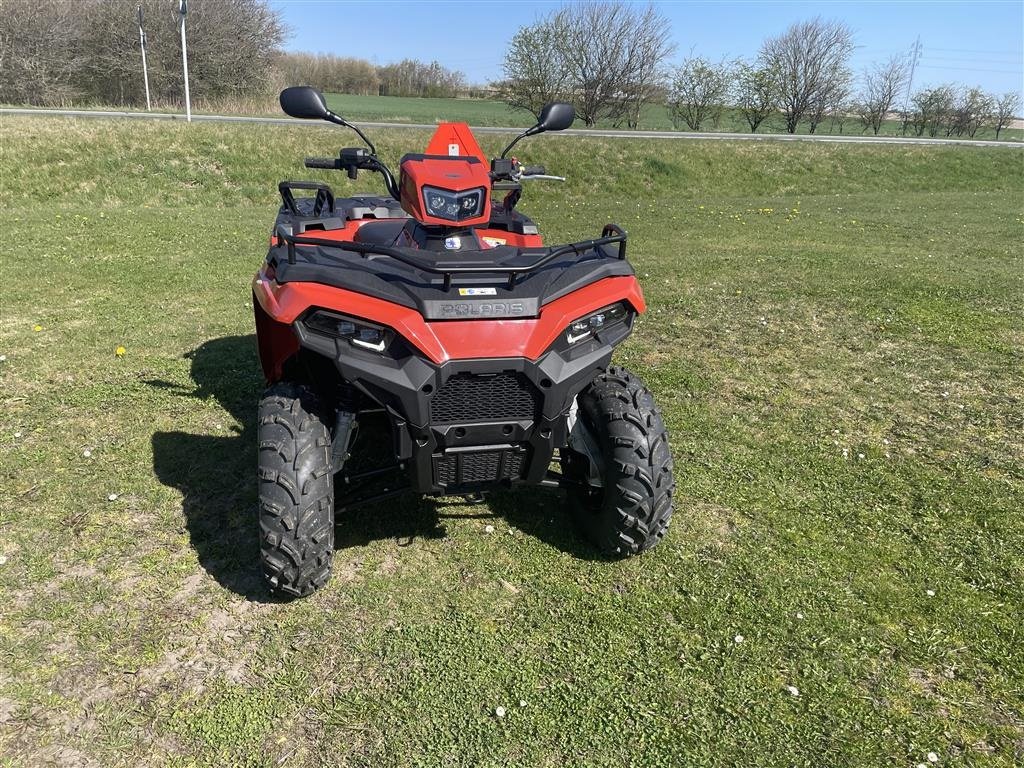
483, 309
453, 150
478, 291
494, 242
453, 243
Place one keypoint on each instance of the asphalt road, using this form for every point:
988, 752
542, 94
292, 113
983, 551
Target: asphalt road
849, 139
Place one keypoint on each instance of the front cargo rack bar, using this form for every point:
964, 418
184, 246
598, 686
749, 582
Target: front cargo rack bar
610, 235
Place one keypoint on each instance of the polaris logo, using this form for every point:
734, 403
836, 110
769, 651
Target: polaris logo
483, 309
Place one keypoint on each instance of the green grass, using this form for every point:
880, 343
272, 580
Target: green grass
834, 334
655, 117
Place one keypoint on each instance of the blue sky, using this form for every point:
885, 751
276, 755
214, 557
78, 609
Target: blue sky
976, 43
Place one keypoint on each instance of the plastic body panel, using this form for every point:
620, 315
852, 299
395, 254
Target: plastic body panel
441, 349
452, 174
444, 340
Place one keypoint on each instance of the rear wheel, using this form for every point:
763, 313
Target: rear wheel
296, 491
629, 511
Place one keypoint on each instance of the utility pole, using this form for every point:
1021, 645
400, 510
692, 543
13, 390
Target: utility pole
145, 70
182, 10
915, 54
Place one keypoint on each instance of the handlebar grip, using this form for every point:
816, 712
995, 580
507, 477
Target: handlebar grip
534, 170
326, 163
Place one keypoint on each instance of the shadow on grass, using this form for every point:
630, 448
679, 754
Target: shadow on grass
544, 514
216, 477
215, 473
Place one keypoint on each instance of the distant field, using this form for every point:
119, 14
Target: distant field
655, 117
483, 112
835, 334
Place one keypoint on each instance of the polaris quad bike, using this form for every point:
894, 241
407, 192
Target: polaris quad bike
428, 341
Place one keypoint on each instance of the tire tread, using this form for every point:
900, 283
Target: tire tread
632, 512
296, 492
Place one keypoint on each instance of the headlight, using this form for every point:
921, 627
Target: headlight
586, 327
453, 206
358, 332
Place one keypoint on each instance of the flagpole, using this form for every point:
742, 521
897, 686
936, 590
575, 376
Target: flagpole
145, 70
183, 9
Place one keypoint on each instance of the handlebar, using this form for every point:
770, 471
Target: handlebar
325, 163
534, 170
354, 160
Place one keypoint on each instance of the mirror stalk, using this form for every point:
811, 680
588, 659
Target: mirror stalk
556, 116
516, 140
339, 120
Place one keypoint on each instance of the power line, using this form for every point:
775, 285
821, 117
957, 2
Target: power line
956, 68
968, 60
976, 50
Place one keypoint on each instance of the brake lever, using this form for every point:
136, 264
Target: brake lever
544, 176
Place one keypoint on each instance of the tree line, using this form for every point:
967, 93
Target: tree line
54, 52
58, 52
337, 74
610, 59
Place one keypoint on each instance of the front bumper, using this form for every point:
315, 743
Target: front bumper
465, 424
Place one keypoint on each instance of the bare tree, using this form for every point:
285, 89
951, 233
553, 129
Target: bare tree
756, 94
334, 74
40, 52
1005, 110
931, 110
808, 59
597, 45
840, 106
698, 92
828, 101
88, 51
411, 77
972, 111
534, 73
605, 57
840, 114
646, 51
882, 84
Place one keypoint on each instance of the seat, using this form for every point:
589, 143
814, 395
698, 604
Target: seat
380, 232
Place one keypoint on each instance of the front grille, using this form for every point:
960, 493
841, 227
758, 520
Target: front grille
473, 397
464, 469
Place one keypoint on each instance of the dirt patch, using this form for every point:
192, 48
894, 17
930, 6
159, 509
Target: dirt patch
221, 649
712, 526
926, 682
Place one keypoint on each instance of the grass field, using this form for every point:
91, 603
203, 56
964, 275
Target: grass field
835, 334
483, 112
486, 112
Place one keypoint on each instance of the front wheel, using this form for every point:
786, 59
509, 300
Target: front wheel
296, 490
621, 495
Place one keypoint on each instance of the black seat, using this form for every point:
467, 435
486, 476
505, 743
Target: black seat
380, 232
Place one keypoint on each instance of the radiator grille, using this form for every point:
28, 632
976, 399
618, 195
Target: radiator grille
461, 469
469, 397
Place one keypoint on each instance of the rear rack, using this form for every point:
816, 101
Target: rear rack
611, 234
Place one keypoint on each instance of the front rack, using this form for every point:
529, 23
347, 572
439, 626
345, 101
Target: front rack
611, 234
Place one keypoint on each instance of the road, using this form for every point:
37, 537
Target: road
490, 129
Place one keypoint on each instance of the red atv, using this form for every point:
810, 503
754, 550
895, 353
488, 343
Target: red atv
428, 341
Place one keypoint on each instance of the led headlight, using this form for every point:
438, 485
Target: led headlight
586, 327
359, 333
453, 206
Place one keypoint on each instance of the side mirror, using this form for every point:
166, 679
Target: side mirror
556, 116
304, 102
